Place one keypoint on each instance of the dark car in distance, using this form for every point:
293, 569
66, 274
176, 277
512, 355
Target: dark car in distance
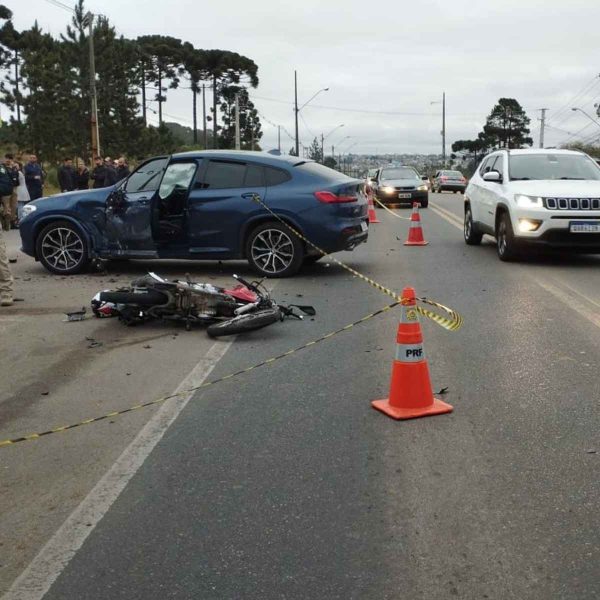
452, 181
202, 206
397, 185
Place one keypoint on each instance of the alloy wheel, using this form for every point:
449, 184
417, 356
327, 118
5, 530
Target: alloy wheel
272, 250
502, 242
62, 248
468, 224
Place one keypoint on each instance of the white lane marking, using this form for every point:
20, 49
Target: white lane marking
446, 215
44, 569
574, 299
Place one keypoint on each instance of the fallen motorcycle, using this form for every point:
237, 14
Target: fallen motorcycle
244, 307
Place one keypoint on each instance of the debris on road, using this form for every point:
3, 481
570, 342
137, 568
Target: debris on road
78, 315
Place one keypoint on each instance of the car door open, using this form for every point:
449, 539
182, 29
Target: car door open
129, 212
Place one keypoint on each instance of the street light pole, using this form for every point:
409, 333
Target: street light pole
324, 137
588, 116
444, 128
296, 110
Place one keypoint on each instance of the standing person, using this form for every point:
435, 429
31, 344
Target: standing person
6, 280
98, 175
22, 192
66, 176
13, 171
6, 191
111, 173
122, 169
34, 178
81, 177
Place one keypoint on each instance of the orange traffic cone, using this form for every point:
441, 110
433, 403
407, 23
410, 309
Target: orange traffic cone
372, 213
410, 390
415, 233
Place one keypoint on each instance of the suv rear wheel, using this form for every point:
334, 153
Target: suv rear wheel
273, 250
505, 239
472, 238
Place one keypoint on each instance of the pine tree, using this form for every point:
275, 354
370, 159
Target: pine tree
250, 126
507, 126
314, 151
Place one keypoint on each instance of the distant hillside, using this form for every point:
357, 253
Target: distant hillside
184, 135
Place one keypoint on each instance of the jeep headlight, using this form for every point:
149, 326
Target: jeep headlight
388, 189
528, 201
27, 210
422, 188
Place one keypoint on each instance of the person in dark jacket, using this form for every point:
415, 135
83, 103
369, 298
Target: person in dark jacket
122, 169
66, 176
111, 173
34, 178
81, 177
98, 175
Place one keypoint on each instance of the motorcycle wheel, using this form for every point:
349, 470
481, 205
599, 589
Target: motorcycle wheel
243, 323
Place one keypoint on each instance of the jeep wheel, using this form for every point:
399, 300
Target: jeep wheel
505, 239
472, 238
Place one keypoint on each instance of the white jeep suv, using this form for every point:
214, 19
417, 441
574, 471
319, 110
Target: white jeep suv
541, 196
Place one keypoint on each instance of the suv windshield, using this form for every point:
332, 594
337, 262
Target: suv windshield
399, 173
552, 166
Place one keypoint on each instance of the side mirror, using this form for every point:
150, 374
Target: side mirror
493, 176
424, 178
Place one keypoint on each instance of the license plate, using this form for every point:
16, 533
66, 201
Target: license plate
363, 226
404, 195
584, 226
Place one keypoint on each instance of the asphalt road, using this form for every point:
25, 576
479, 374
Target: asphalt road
285, 483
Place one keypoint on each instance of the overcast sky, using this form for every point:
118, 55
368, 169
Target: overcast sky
381, 57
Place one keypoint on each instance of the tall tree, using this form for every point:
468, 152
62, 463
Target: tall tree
161, 59
226, 68
507, 125
314, 151
193, 64
250, 126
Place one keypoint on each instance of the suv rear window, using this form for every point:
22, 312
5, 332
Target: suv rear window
313, 168
276, 176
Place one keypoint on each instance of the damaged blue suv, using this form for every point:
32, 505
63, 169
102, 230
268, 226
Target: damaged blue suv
202, 206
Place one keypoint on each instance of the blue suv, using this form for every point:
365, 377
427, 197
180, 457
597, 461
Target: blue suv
202, 206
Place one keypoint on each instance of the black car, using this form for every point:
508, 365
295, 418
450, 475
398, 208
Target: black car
397, 185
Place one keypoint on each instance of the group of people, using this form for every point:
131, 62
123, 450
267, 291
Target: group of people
107, 172
20, 184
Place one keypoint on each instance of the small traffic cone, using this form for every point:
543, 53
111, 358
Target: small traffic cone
411, 395
372, 213
415, 233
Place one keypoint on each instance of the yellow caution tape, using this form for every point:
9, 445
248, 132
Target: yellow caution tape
375, 199
116, 413
453, 323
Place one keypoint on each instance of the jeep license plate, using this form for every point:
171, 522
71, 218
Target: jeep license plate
584, 226
404, 195
363, 226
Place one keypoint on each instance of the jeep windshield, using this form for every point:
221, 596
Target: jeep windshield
399, 173
552, 167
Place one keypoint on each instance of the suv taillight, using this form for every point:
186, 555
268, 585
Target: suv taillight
331, 198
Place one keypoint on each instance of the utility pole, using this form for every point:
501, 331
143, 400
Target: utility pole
238, 145
444, 128
279, 138
542, 126
17, 95
204, 116
88, 21
296, 111
332, 153
143, 74
195, 117
322, 149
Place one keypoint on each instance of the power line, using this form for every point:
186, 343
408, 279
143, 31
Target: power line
305, 125
59, 4
558, 116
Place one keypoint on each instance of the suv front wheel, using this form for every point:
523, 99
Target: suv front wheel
505, 239
472, 238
